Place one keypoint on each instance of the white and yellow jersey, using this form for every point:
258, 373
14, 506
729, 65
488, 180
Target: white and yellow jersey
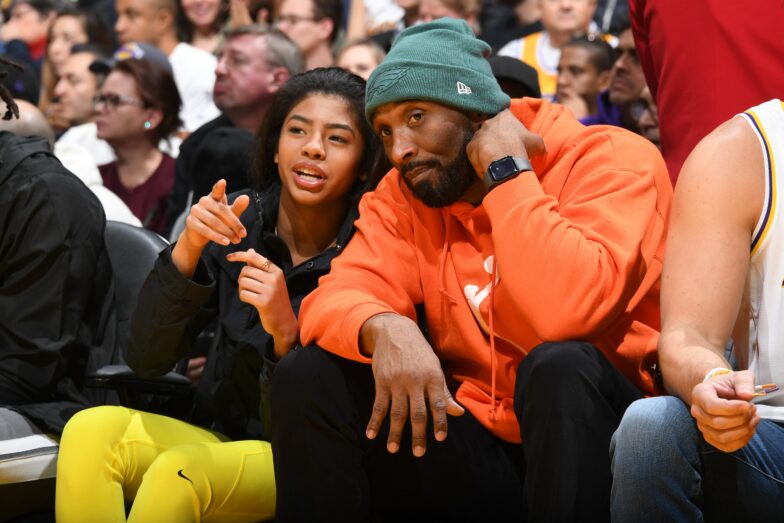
536, 51
766, 271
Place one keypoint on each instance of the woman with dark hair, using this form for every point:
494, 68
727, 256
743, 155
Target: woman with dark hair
71, 26
23, 35
137, 107
199, 22
245, 261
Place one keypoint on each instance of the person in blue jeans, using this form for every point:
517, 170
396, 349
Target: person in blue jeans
708, 453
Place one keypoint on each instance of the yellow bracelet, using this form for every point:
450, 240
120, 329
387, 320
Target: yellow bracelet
718, 371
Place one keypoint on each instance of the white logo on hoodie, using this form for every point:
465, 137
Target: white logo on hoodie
475, 297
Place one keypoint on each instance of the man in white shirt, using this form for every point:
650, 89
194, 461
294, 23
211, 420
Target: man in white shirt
153, 22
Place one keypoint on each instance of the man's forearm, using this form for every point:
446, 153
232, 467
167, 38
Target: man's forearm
685, 358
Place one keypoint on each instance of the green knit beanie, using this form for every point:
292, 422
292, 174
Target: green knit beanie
441, 61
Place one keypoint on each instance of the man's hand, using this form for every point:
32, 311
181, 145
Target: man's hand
724, 415
195, 369
569, 98
500, 136
239, 13
409, 379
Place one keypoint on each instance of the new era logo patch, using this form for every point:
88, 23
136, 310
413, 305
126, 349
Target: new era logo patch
463, 88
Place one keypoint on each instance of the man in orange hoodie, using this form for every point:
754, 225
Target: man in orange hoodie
511, 258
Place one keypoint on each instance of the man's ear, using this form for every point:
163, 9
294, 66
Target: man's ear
50, 17
603, 80
477, 119
165, 18
325, 28
280, 75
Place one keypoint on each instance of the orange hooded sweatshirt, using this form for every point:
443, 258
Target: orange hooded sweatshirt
576, 249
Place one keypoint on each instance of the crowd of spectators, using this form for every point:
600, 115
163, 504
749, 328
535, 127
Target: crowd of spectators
166, 109
224, 87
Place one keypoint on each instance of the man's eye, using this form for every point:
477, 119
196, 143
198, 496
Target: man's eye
416, 117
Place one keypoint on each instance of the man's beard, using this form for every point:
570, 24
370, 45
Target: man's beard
446, 184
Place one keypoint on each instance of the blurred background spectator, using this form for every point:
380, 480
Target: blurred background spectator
516, 78
360, 57
645, 112
583, 73
253, 64
138, 106
73, 111
314, 25
562, 20
24, 34
468, 10
154, 22
200, 21
71, 26
22, 82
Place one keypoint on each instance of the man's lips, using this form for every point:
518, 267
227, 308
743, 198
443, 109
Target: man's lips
416, 173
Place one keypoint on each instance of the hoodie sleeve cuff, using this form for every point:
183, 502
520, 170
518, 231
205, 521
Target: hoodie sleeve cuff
352, 325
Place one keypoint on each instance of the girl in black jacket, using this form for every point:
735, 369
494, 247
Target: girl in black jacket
245, 261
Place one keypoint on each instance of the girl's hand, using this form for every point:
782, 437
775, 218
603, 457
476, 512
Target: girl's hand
263, 285
213, 219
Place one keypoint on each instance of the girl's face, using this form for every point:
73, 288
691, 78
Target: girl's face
359, 59
201, 13
319, 150
120, 111
67, 31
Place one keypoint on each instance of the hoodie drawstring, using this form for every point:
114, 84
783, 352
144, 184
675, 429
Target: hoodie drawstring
493, 356
442, 267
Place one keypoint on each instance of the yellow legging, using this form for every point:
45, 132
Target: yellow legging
173, 471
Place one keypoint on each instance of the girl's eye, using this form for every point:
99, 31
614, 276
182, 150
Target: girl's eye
338, 139
296, 130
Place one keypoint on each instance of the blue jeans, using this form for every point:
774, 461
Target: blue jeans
663, 470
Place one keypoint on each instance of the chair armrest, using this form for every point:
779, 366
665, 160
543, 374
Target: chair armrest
129, 385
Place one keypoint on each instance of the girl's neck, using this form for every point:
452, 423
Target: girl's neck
137, 160
308, 231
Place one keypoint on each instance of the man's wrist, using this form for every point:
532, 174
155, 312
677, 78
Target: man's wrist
374, 327
505, 169
718, 371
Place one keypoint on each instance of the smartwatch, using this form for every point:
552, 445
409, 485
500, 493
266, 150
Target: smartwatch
505, 169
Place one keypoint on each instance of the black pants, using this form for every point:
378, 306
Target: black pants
569, 399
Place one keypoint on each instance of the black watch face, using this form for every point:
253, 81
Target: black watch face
502, 169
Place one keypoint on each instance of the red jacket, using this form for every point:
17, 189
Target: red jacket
578, 248
706, 61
